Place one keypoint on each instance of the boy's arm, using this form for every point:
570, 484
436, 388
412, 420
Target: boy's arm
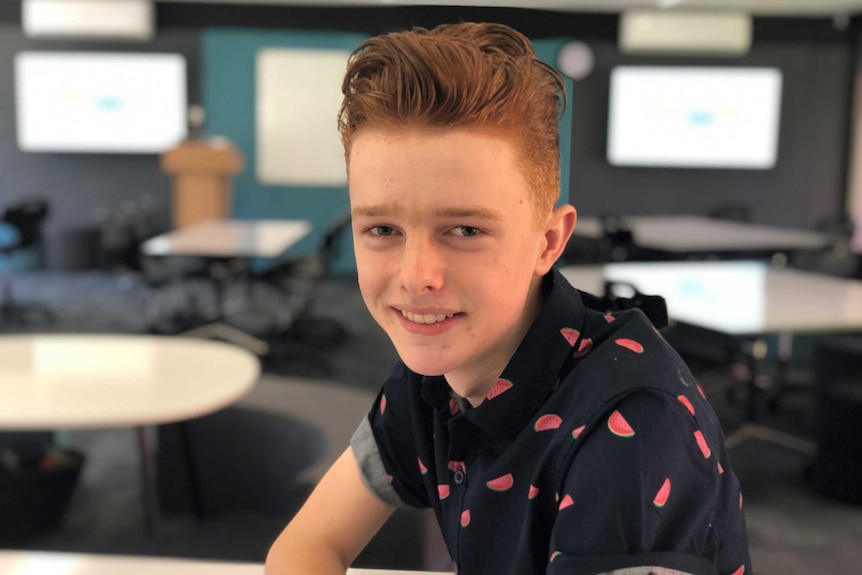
333, 526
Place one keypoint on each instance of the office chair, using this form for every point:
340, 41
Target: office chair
297, 335
23, 224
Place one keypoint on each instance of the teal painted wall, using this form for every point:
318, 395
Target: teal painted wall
228, 94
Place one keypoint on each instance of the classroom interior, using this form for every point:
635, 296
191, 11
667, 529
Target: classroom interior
98, 259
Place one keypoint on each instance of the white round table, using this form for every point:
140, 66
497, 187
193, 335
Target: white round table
96, 381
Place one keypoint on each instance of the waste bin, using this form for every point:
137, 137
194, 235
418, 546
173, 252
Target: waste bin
35, 494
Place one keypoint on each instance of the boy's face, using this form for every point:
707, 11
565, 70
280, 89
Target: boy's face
448, 255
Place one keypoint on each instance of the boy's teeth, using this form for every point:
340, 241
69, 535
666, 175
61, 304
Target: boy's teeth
425, 318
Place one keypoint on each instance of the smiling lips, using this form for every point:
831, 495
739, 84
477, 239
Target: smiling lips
426, 318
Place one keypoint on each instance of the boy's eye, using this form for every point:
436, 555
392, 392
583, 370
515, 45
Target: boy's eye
467, 231
381, 231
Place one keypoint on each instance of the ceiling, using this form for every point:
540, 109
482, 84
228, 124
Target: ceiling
757, 7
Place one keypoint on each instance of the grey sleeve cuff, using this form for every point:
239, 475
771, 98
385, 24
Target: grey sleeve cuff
371, 468
645, 571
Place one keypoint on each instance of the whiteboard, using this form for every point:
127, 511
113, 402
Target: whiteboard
298, 98
99, 101
716, 117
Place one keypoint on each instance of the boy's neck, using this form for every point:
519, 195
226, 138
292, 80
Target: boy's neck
473, 383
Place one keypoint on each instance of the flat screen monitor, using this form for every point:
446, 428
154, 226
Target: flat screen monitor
100, 101
694, 117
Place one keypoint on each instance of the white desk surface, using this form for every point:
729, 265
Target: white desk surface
229, 238
682, 234
49, 563
94, 381
737, 298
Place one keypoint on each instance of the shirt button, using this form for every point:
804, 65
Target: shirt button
459, 477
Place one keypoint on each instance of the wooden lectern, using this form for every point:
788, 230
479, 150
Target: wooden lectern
202, 172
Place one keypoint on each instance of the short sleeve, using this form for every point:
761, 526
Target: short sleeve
644, 489
385, 448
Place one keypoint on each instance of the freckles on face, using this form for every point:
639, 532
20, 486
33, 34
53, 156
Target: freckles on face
443, 225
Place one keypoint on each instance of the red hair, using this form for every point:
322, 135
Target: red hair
474, 76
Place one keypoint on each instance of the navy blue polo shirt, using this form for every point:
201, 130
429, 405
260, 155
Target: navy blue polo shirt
595, 451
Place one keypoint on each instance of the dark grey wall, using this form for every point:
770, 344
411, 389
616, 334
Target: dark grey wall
79, 184
806, 184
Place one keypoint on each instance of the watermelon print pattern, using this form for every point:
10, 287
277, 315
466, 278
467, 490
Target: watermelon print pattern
518, 479
684, 400
584, 347
619, 426
701, 444
501, 386
547, 422
571, 335
456, 466
629, 344
502, 483
663, 494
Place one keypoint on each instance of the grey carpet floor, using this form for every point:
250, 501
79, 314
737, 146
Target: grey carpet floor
792, 529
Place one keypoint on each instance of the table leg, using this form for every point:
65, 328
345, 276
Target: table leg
191, 471
148, 482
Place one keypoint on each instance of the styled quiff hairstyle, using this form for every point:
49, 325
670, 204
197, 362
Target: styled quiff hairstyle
476, 76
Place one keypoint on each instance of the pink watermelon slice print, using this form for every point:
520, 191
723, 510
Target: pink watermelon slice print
534, 492
455, 466
701, 443
740, 571
382, 404
566, 502
700, 389
630, 344
609, 317
663, 494
720, 469
740, 499
443, 491
549, 421
422, 469
571, 335
578, 431
684, 400
584, 347
502, 483
465, 518
554, 555
453, 407
619, 426
501, 386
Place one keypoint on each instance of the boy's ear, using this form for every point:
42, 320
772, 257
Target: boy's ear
558, 230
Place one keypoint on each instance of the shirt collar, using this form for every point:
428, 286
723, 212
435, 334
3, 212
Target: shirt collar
534, 370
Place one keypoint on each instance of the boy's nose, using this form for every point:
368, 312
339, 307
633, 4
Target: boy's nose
422, 267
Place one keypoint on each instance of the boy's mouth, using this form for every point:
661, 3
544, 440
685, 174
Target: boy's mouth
426, 318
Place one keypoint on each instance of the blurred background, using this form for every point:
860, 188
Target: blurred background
127, 127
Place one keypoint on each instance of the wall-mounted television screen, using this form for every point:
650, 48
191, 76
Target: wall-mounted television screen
100, 101
694, 117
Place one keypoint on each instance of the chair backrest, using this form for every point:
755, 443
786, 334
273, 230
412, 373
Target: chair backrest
27, 218
333, 239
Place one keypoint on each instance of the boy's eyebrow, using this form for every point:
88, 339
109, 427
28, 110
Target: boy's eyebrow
445, 212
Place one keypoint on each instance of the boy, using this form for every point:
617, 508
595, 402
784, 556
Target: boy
547, 437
